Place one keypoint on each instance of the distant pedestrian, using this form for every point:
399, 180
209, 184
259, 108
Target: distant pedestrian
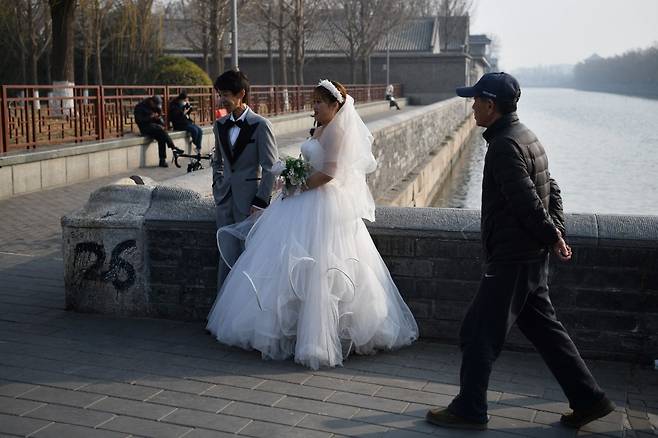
179, 117
391, 97
148, 116
522, 222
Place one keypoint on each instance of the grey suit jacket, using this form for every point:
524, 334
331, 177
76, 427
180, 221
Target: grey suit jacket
242, 174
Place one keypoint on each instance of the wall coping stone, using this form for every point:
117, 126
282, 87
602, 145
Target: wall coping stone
582, 228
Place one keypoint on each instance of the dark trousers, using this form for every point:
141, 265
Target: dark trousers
196, 133
158, 133
518, 293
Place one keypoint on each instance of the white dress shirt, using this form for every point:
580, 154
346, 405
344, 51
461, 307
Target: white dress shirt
234, 132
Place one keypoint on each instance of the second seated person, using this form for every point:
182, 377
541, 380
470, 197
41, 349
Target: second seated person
310, 283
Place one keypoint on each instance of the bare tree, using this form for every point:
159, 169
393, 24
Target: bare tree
25, 27
303, 21
140, 28
359, 25
96, 34
62, 13
272, 18
447, 11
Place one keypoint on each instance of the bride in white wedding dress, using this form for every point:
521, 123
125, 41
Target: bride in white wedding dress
310, 283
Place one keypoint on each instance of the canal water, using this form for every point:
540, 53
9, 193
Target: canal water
602, 150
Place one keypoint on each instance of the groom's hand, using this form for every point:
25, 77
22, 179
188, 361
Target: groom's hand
254, 210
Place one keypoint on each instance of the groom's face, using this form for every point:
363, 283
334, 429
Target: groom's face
229, 100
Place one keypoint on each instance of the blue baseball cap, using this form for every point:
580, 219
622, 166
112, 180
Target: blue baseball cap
496, 86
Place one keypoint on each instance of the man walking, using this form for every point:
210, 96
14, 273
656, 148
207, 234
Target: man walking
522, 221
245, 150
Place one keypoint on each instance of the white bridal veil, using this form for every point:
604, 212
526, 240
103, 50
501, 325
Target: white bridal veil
347, 157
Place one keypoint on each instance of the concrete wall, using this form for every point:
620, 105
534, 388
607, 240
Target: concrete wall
155, 256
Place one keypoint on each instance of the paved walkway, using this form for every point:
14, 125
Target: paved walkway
64, 374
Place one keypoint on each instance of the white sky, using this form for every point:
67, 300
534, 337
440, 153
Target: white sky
544, 32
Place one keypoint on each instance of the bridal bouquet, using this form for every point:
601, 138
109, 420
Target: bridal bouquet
293, 173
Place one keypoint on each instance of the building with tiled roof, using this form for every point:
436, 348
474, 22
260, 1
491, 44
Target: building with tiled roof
428, 63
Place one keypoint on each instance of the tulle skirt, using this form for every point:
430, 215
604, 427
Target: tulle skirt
311, 285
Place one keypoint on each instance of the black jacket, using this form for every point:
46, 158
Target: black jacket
177, 116
521, 203
145, 114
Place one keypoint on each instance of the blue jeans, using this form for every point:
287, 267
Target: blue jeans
196, 132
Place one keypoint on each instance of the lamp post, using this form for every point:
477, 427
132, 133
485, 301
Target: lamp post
234, 34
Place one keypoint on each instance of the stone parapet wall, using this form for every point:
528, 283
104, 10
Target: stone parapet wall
151, 252
606, 296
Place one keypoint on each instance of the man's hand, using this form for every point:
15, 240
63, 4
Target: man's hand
254, 210
561, 249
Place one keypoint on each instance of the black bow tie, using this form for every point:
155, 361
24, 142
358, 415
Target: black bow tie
231, 123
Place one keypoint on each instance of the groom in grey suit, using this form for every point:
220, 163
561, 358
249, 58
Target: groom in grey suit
245, 150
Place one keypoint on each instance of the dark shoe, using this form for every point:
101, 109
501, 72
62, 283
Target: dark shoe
577, 419
163, 163
445, 418
177, 151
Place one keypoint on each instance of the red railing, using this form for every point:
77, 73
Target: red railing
36, 116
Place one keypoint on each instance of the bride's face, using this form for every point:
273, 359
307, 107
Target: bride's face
323, 111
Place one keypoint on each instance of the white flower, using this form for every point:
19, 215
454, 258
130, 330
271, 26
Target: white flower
278, 167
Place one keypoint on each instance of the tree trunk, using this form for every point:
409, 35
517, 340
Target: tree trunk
214, 38
270, 53
99, 59
62, 13
283, 71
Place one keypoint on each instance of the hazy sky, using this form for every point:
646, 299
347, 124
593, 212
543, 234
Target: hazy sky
543, 32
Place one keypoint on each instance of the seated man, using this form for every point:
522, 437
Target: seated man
148, 116
179, 116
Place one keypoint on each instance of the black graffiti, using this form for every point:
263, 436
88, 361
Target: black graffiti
89, 258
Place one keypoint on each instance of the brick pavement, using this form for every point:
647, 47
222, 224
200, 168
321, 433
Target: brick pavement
64, 374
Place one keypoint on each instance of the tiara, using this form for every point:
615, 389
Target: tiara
325, 83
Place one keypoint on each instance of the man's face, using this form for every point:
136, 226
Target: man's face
229, 100
484, 111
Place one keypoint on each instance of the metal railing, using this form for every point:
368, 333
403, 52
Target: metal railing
37, 116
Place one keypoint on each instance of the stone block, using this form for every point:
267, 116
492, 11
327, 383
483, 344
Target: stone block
134, 157
139, 427
118, 161
296, 390
625, 301
99, 164
440, 289
77, 168
6, 182
442, 248
58, 430
264, 413
150, 155
70, 415
26, 177
317, 407
62, 397
399, 246
20, 426
457, 269
190, 401
206, 420
132, 408
53, 172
